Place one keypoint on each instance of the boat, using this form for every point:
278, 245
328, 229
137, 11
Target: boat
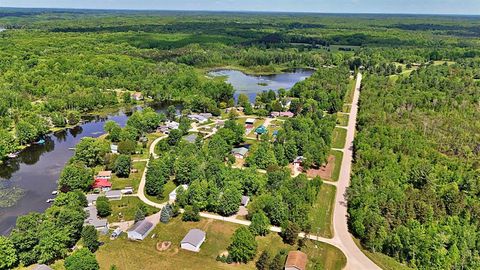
50, 200
13, 155
41, 141
55, 192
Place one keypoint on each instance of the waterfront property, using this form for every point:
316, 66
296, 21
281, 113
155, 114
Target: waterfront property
193, 240
140, 230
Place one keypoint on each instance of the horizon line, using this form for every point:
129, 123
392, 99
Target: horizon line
245, 11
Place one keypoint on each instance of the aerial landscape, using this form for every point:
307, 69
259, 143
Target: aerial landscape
239, 135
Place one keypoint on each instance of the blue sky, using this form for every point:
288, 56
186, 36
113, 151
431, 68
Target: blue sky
337, 6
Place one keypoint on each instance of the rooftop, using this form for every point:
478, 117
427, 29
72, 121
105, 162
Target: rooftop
142, 227
296, 259
194, 237
104, 174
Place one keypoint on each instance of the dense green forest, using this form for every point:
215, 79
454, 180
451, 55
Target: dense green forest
415, 190
414, 193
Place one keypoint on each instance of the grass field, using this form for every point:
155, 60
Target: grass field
349, 95
382, 260
339, 137
342, 119
338, 163
127, 207
346, 108
126, 254
167, 188
133, 180
322, 212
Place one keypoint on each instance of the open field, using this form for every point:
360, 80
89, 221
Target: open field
124, 209
133, 180
126, 254
322, 212
339, 136
346, 108
338, 163
349, 95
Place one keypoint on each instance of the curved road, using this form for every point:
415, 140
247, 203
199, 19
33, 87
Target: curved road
356, 259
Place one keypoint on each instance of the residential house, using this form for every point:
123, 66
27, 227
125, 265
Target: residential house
296, 260
92, 218
198, 118
250, 121
287, 114
140, 230
102, 184
193, 240
172, 125
240, 152
173, 195
275, 114
92, 198
113, 195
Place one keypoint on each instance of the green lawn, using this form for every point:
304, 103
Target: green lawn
144, 151
350, 91
338, 164
127, 206
126, 254
322, 212
346, 108
167, 188
339, 137
383, 261
342, 119
133, 180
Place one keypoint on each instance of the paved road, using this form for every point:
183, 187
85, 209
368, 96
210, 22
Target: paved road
355, 257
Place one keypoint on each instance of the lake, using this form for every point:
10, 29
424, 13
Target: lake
37, 168
253, 84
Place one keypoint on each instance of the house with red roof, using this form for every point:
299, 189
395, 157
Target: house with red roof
102, 184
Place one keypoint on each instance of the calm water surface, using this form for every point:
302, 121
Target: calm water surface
251, 85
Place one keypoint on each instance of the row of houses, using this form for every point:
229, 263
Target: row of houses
282, 114
200, 118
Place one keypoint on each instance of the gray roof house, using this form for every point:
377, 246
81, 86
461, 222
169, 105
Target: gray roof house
193, 240
240, 152
42, 267
92, 218
140, 230
191, 138
92, 198
113, 194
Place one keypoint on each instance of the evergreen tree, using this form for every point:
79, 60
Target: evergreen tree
165, 215
263, 261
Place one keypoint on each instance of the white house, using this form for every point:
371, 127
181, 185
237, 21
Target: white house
193, 240
250, 121
140, 230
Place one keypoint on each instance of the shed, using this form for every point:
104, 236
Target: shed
42, 267
140, 230
114, 148
116, 233
127, 190
173, 195
240, 152
296, 260
114, 195
245, 200
193, 240
250, 121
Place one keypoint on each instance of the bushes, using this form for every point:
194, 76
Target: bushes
82, 259
103, 206
243, 247
191, 213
